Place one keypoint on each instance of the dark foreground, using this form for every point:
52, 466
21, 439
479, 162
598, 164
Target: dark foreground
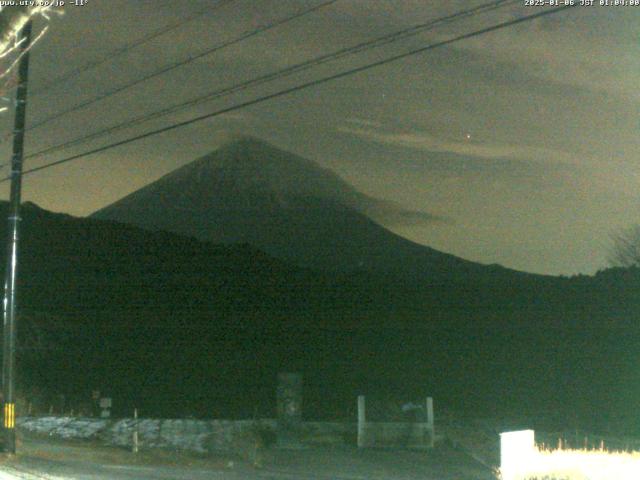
57, 460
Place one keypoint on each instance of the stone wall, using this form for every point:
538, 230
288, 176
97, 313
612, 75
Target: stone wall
193, 435
211, 435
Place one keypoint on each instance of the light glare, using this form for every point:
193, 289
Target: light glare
520, 459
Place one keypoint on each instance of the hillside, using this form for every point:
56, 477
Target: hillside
176, 326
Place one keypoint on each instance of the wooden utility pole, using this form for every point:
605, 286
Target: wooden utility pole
11, 273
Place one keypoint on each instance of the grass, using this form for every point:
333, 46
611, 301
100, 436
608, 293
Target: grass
578, 464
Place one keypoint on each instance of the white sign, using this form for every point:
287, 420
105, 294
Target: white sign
517, 450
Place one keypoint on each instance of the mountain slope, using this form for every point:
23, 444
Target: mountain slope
249, 191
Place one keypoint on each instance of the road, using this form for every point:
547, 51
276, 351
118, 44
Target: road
39, 459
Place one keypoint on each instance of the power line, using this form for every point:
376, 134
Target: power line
109, 56
305, 65
180, 63
303, 86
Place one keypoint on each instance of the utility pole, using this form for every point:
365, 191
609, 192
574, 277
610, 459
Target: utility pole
11, 273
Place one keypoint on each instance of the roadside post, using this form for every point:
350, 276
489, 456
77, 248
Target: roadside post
362, 421
431, 422
135, 430
289, 410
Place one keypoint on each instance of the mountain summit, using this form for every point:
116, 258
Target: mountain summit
248, 191
247, 173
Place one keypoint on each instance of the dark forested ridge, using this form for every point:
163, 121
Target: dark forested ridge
178, 326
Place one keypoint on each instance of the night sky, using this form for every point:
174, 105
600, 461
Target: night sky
525, 140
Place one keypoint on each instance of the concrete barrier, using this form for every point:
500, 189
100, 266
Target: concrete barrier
207, 435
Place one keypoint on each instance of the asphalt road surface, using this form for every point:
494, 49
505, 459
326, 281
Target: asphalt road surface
55, 460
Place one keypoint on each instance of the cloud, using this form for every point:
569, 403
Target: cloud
560, 48
469, 147
361, 122
392, 215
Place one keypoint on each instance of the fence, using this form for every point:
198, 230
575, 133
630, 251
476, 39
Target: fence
398, 424
416, 431
220, 435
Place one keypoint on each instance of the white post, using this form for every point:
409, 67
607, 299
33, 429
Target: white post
431, 421
135, 431
361, 421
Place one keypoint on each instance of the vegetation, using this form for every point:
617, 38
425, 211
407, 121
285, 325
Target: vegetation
625, 249
178, 327
578, 465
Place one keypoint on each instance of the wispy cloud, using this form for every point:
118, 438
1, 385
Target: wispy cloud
564, 50
392, 215
469, 147
362, 122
